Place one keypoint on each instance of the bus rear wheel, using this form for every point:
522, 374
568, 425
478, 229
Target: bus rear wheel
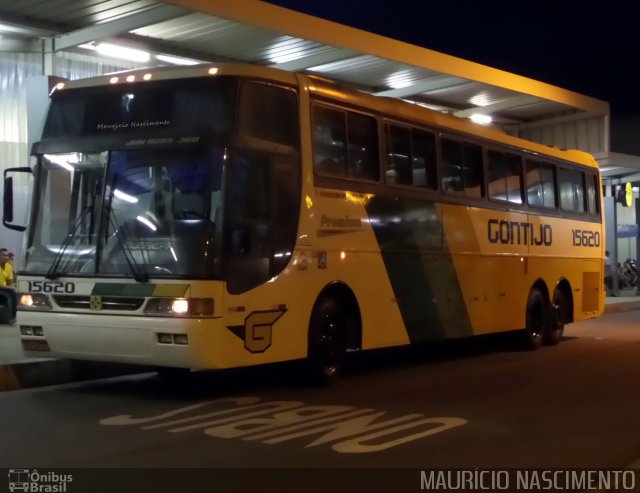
559, 317
537, 320
327, 342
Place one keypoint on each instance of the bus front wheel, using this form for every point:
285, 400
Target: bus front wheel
327, 342
537, 320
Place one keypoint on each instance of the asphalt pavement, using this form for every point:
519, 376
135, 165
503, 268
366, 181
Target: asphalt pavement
17, 371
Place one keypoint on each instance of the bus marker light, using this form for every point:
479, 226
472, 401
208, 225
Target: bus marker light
26, 330
182, 339
213, 70
165, 338
201, 306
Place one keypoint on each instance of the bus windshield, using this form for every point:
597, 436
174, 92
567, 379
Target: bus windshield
147, 212
129, 182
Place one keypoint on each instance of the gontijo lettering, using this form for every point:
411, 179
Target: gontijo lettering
519, 233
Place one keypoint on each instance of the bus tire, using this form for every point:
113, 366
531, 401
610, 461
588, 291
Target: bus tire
327, 342
559, 307
537, 320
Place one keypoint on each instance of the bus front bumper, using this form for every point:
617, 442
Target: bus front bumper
157, 341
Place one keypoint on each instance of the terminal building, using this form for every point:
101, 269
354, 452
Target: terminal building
44, 42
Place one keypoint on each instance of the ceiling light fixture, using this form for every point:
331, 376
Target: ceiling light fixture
174, 60
481, 119
399, 80
123, 52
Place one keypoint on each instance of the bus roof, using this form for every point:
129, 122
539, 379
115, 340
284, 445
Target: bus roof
332, 90
417, 114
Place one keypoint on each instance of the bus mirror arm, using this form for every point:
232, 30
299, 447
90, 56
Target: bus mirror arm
7, 212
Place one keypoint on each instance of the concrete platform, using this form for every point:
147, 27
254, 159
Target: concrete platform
626, 300
17, 372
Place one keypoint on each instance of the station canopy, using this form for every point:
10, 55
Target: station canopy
257, 32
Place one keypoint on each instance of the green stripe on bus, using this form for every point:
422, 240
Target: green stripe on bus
420, 268
121, 289
171, 290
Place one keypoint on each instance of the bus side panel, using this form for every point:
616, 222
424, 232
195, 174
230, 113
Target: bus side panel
572, 250
345, 230
419, 267
500, 255
489, 251
269, 323
344, 249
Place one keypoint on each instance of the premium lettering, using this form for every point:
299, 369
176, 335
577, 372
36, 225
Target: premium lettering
339, 222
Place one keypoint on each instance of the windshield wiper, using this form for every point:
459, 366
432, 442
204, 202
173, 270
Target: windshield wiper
53, 272
139, 272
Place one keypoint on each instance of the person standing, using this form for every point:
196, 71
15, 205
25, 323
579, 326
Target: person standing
608, 274
7, 281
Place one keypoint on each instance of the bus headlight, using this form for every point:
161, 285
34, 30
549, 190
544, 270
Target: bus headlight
34, 301
180, 307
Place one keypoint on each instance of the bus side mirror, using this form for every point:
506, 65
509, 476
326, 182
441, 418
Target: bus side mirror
7, 212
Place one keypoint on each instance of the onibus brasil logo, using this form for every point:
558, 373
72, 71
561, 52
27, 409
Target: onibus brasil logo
31, 480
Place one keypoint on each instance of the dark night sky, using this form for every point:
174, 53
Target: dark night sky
589, 47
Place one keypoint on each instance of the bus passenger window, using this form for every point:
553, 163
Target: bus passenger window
423, 157
472, 169
329, 142
514, 178
398, 165
571, 188
462, 167
451, 165
363, 147
540, 184
505, 176
270, 113
592, 195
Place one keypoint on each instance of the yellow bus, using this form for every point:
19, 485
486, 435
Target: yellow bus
233, 215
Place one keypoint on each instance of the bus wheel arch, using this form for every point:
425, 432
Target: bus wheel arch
537, 316
561, 312
334, 327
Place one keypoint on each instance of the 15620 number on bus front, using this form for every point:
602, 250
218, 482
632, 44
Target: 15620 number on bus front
51, 287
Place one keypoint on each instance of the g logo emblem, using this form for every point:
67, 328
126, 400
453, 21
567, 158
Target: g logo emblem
257, 330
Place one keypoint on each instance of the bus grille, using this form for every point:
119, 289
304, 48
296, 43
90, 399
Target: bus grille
108, 302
